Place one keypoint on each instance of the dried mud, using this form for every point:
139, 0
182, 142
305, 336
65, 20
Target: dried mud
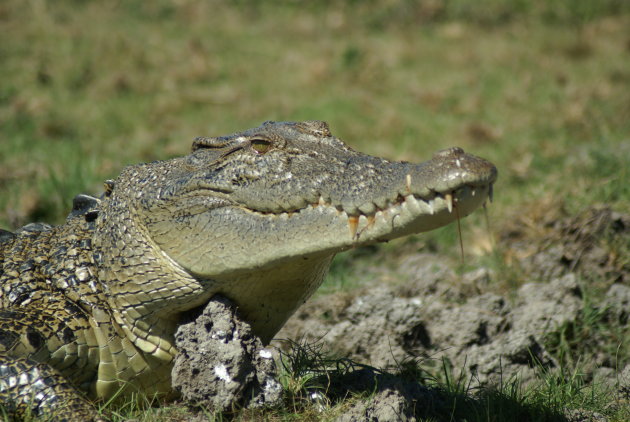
221, 365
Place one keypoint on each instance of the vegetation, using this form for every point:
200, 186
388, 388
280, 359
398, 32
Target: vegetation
540, 88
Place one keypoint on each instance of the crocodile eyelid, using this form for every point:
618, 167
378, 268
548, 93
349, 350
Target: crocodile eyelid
260, 146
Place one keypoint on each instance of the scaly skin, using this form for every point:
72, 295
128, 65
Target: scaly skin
93, 305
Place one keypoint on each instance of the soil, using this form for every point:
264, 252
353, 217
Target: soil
436, 317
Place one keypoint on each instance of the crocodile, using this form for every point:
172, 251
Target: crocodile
89, 308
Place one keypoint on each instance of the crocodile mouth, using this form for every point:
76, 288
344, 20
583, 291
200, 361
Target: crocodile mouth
430, 211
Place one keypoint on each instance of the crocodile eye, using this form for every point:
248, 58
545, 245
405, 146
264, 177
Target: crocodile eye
261, 146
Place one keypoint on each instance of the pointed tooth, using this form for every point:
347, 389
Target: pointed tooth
472, 191
363, 224
353, 222
412, 204
408, 183
321, 201
431, 204
449, 201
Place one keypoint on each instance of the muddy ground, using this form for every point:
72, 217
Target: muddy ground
575, 267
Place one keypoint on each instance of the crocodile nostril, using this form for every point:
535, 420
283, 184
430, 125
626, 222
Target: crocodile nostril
317, 128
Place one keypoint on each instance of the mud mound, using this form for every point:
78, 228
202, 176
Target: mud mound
485, 334
221, 365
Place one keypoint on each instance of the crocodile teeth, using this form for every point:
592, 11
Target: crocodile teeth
353, 223
431, 204
448, 197
413, 204
408, 183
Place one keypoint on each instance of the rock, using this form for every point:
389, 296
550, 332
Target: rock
221, 364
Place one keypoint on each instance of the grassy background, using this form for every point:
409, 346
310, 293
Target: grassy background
540, 88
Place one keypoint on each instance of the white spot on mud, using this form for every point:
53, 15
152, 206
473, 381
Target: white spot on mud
221, 372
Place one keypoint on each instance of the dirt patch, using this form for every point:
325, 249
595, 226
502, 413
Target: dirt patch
485, 334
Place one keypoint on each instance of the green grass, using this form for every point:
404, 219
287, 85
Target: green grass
537, 88
540, 88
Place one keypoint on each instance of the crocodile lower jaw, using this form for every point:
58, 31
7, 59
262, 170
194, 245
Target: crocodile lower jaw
408, 214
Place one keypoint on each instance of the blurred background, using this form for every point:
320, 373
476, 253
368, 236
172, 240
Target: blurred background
540, 88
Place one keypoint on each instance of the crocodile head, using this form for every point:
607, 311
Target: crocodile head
258, 215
